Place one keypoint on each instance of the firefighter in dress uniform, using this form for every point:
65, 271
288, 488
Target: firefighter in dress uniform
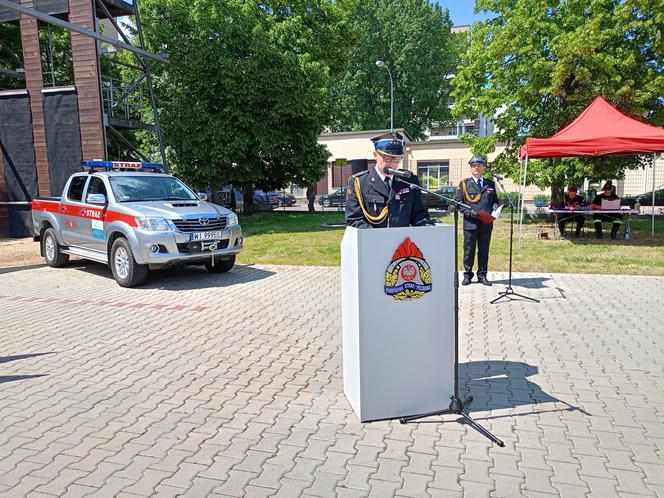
480, 194
377, 199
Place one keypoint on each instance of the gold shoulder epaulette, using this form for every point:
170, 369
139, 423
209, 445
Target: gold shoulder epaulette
474, 199
374, 220
351, 178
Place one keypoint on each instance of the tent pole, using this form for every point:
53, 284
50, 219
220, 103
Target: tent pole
518, 199
654, 161
522, 189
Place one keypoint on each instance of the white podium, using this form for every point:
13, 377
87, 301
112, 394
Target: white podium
397, 291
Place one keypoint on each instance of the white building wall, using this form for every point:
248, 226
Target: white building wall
639, 181
457, 154
358, 145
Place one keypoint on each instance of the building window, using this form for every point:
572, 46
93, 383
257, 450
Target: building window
433, 174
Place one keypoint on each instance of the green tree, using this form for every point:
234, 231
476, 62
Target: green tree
413, 38
537, 64
55, 52
246, 93
56, 55
11, 55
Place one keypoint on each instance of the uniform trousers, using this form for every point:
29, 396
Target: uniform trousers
578, 218
479, 238
615, 219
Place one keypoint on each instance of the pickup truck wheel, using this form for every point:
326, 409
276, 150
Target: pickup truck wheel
126, 271
221, 266
52, 253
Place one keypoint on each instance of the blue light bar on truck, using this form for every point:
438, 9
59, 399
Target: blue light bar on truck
122, 165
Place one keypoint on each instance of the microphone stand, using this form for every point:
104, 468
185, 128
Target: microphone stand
509, 292
457, 405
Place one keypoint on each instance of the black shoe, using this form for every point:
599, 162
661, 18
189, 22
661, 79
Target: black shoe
466, 281
484, 281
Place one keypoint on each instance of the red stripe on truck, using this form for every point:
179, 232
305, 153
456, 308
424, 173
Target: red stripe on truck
83, 212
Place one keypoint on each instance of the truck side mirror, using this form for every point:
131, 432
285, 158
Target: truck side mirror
203, 196
96, 199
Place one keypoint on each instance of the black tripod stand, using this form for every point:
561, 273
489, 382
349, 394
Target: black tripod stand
509, 292
456, 404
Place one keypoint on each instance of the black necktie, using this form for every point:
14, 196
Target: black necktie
387, 183
479, 183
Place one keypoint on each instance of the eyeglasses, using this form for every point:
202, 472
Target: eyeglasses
476, 165
390, 159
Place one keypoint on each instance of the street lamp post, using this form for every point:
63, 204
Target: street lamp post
382, 64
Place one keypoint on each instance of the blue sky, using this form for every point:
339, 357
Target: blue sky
461, 11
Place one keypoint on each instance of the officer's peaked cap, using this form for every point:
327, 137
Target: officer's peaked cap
477, 159
389, 144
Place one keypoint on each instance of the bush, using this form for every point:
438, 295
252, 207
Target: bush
541, 199
503, 199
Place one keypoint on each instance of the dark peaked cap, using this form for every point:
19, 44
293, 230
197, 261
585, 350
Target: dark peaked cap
389, 144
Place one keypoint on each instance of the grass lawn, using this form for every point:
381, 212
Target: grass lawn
297, 239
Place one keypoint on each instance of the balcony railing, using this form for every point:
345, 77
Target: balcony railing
123, 102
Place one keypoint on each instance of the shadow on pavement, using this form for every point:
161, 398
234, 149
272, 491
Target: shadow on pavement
12, 269
497, 385
189, 277
197, 277
12, 378
7, 359
528, 283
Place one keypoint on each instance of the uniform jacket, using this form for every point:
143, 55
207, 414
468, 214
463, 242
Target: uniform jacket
488, 198
404, 203
569, 202
597, 201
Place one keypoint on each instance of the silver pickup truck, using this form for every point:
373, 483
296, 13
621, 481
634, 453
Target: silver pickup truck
134, 221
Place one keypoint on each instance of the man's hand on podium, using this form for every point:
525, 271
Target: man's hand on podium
427, 222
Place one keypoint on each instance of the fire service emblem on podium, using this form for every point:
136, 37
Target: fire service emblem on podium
408, 276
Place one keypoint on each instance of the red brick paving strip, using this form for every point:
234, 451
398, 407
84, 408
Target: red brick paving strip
104, 302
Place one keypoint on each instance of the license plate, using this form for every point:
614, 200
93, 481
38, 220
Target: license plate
217, 234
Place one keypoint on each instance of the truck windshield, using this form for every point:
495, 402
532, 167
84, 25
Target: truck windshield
134, 188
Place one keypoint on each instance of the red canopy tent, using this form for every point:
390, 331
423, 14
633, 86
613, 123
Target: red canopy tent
600, 130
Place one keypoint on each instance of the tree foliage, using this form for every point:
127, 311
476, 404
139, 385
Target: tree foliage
11, 55
413, 38
56, 55
246, 93
537, 64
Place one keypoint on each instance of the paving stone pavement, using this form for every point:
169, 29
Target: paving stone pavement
230, 385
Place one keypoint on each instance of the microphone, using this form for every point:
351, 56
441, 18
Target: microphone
397, 172
497, 177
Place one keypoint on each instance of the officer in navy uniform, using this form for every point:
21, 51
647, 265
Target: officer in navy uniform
377, 199
479, 194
